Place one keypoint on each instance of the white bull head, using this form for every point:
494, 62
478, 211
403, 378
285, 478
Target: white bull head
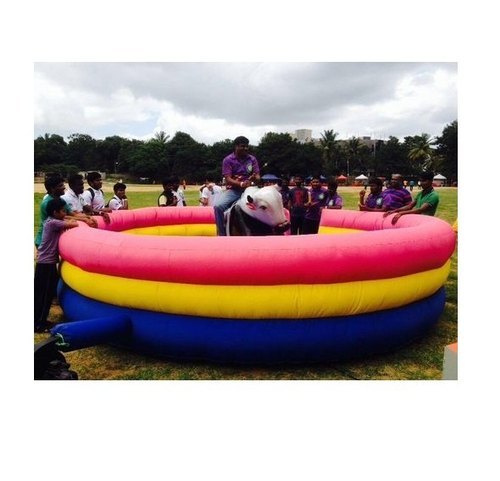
264, 204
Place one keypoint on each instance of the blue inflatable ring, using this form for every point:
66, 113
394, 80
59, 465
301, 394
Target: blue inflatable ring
265, 341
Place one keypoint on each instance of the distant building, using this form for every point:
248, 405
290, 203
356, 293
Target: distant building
305, 135
302, 135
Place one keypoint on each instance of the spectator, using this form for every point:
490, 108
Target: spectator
179, 192
167, 198
318, 197
73, 195
297, 200
284, 191
119, 201
55, 190
426, 200
375, 202
334, 200
397, 195
94, 196
205, 184
240, 170
46, 275
210, 194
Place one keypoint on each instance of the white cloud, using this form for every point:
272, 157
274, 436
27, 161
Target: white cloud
215, 101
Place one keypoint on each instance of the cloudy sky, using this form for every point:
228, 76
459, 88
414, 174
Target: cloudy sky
215, 101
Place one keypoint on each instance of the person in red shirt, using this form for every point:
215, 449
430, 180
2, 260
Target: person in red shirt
297, 199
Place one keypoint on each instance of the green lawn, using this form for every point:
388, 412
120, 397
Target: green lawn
421, 360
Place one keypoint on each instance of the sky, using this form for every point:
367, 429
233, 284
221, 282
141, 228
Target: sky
213, 101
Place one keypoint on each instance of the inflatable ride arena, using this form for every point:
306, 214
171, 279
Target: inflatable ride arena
160, 282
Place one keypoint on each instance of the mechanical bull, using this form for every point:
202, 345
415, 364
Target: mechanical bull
258, 212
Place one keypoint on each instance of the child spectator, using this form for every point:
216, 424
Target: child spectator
318, 197
205, 184
375, 202
334, 200
297, 200
46, 275
119, 201
55, 190
210, 193
179, 193
167, 198
284, 189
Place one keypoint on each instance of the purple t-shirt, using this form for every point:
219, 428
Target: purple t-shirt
48, 252
397, 198
334, 200
375, 201
243, 168
320, 196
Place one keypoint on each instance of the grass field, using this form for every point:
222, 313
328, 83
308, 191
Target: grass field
420, 360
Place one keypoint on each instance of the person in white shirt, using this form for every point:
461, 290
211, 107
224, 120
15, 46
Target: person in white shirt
94, 196
210, 194
119, 200
179, 193
73, 195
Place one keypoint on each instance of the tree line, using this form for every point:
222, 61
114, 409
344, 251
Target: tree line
278, 153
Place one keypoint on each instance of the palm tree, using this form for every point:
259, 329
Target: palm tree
421, 151
354, 154
161, 137
329, 143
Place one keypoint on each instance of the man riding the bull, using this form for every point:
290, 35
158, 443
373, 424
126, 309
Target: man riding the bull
240, 170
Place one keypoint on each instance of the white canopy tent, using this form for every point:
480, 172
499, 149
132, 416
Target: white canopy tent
361, 177
439, 180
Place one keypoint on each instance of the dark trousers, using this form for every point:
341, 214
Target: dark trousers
296, 224
310, 226
46, 278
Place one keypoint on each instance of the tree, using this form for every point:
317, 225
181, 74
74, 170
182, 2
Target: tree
276, 152
329, 144
49, 149
62, 169
354, 155
216, 152
82, 151
447, 149
281, 155
390, 157
108, 153
421, 152
161, 137
127, 153
307, 160
185, 157
148, 160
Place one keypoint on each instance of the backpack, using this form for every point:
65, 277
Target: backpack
107, 203
92, 195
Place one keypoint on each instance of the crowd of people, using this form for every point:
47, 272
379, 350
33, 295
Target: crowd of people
61, 208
